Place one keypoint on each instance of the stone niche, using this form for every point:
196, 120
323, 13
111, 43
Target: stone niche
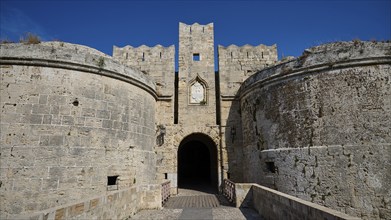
198, 92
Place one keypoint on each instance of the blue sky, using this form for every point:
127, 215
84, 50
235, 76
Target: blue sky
292, 25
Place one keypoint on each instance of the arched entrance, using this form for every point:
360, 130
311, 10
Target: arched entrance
197, 163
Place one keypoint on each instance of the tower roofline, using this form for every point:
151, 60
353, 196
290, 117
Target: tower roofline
196, 24
245, 46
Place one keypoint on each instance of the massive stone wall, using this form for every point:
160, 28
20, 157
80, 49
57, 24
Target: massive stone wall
159, 63
71, 117
318, 127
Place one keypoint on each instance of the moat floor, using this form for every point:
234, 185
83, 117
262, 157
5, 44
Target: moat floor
193, 204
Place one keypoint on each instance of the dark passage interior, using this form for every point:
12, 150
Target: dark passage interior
197, 166
194, 160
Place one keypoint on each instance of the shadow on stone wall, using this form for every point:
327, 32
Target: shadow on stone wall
318, 128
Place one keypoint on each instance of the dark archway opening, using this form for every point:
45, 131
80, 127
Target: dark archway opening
197, 164
194, 160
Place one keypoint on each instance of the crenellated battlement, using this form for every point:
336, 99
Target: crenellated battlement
237, 63
143, 53
158, 62
248, 52
196, 28
196, 40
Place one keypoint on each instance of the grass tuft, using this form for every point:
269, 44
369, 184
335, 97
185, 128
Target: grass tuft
30, 38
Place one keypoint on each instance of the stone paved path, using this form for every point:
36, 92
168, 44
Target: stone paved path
230, 213
190, 204
196, 201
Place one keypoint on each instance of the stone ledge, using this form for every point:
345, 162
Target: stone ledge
73, 57
133, 199
317, 60
272, 204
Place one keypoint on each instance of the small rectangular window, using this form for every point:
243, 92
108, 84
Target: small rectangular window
271, 167
112, 183
196, 57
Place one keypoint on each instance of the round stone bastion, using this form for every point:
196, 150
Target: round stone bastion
319, 127
74, 125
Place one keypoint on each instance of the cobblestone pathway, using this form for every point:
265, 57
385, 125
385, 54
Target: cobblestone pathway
190, 204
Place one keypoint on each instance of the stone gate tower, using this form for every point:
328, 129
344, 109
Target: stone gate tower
196, 86
198, 126
197, 134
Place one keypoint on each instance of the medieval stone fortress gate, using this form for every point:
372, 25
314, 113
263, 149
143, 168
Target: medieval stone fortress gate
87, 135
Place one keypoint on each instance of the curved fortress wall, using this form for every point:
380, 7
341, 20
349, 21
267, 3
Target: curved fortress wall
71, 117
318, 127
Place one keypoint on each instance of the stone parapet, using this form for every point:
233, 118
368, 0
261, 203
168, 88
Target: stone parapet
236, 64
157, 62
118, 205
271, 204
322, 58
73, 57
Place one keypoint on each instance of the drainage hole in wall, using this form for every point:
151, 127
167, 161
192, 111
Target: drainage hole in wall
75, 103
271, 167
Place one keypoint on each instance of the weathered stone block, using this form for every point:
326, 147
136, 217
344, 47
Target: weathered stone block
57, 100
93, 122
60, 214
50, 184
67, 120
56, 140
103, 114
107, 124
11, 118
41, 109
65, 110
54, 109
88, 112
47, 119
43, 99
76, 209
24, 108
